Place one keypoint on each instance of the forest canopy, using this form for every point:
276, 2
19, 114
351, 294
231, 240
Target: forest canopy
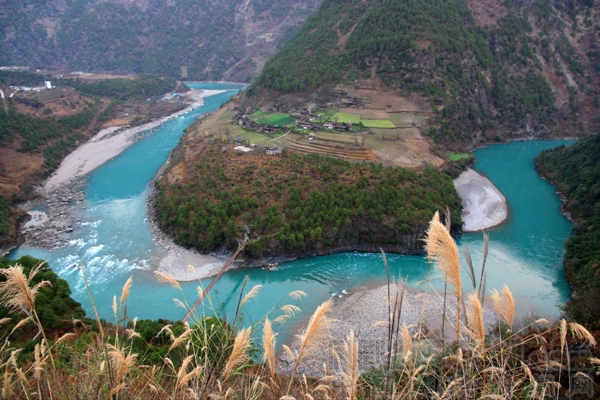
294, 203
575, 171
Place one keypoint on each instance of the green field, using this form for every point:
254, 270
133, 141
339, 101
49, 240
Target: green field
254, 137
378, 123
273, 119
340, 118
48, 95
456, 156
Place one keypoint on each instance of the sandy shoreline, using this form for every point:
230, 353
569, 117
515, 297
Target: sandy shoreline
187, 265
110, 142
484, 206
183, 264
361, 310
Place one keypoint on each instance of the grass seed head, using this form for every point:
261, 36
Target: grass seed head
239, 353
17, 295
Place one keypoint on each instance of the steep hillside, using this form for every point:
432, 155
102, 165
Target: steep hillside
193, 39
488, 69
39, 127
575, 171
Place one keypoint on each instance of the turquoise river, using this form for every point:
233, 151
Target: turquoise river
114, 241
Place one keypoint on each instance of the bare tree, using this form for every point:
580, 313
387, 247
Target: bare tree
354, 134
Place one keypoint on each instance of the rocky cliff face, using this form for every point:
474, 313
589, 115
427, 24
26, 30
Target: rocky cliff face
190, 39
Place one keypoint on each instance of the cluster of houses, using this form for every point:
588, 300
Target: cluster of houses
243, 120
305, 119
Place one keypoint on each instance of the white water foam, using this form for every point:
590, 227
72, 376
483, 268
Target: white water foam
77, 243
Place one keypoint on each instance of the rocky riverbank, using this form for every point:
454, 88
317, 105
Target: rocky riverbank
366, 313
51, 226
111, 142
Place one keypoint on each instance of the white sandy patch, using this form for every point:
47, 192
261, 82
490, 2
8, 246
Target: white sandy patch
109, 143
207, 93
187, 265
483, 204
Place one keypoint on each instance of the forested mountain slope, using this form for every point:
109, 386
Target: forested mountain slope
575, 171
193, 39
487, 68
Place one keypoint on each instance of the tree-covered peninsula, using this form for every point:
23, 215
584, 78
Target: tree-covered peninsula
294, 205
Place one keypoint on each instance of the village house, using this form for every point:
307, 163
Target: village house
273, 150
306, 125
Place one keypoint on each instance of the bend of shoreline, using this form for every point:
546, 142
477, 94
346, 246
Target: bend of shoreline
484, 206
184, 265
364, 311
110, 142
64, 190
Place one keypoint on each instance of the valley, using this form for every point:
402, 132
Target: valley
40, 127
361, 218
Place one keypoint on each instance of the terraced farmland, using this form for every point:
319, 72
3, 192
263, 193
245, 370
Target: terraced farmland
343, 149
378, 123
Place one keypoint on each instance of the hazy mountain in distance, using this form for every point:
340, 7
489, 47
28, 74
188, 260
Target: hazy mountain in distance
192, 39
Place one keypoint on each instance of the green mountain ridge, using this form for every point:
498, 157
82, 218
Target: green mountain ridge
198, 40
575, 171
531, 69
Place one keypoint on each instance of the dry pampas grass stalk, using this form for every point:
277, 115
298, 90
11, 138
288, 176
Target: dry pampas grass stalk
121, 363
184, 377
162, 277
505, 305
476, 324
125, 291
181, 339
251, 294
239, 353
442, 250
297, 295
18, 296
313, 338
407, 344
350, 365
269, 347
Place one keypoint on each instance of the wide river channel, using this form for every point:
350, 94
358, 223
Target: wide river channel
114, 240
